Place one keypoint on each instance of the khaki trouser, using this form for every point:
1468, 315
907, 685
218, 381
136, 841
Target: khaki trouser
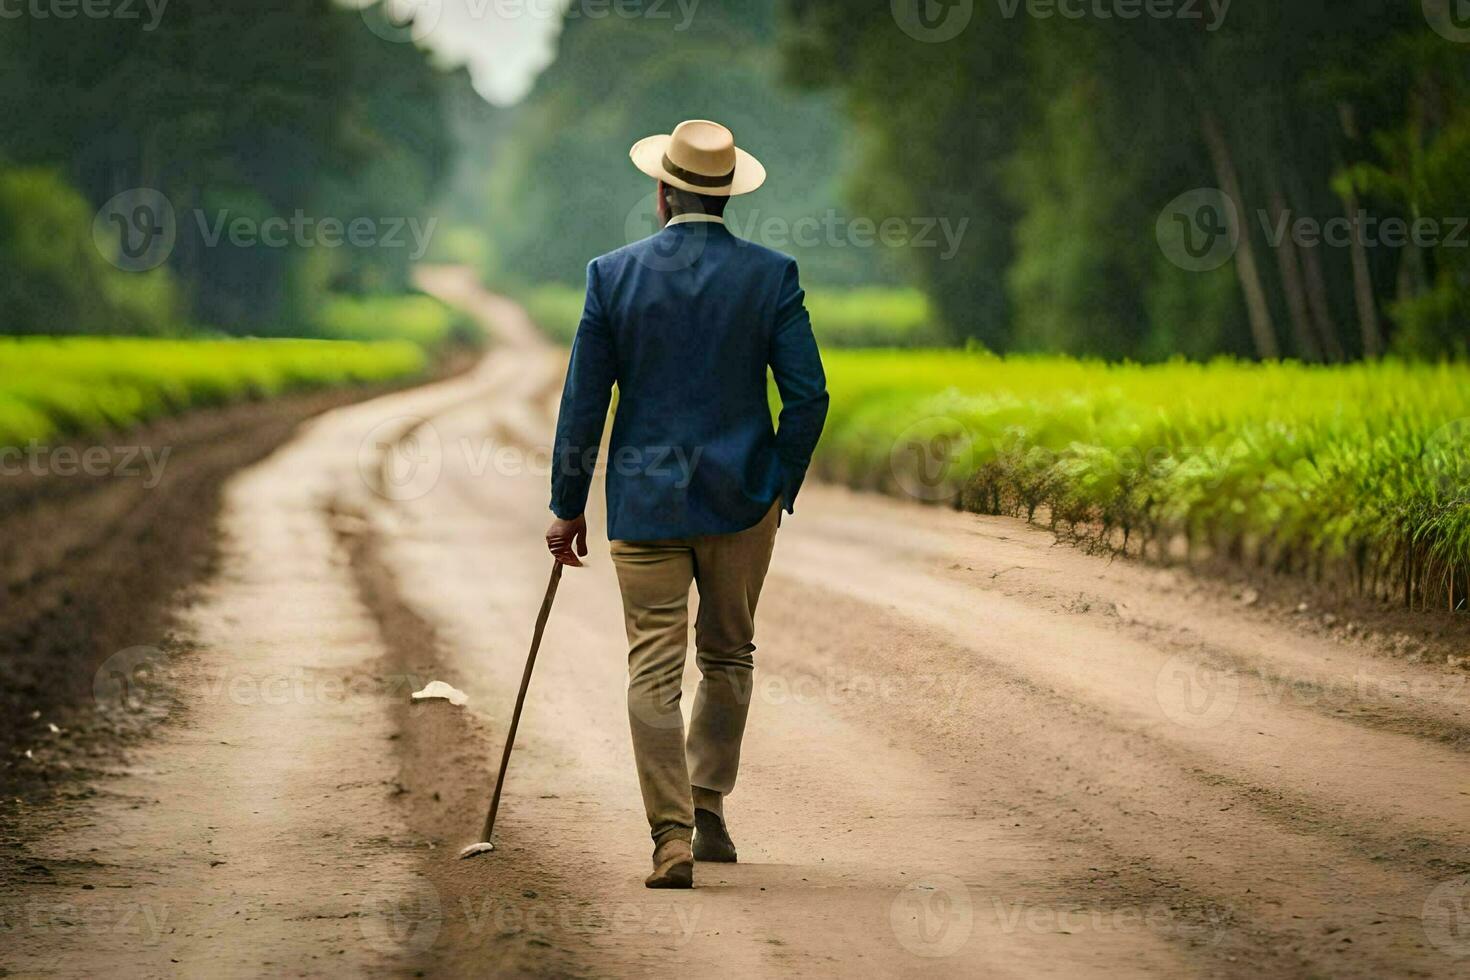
655, 577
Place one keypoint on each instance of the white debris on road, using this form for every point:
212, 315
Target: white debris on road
439, 689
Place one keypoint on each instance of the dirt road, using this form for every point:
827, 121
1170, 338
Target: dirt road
972, 752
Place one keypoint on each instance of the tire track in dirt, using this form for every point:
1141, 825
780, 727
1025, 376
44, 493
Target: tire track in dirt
1313, 850
955, 766
1264, 884
465, 561
442, 754
87, 563
238, 698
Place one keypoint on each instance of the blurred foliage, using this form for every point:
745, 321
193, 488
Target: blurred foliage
1356, 475
52, 388
1064, 138
421, 319
555, 308
1422, 167
56, 281
562, 190
234, 108
871, 316
1053, 142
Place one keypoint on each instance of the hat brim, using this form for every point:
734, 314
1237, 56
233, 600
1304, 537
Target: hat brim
648, 156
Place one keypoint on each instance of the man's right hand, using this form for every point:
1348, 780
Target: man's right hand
564, 536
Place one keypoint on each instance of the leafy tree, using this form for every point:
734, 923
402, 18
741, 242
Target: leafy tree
938, 125
230, 108
561, 189
1062, 139
56, 280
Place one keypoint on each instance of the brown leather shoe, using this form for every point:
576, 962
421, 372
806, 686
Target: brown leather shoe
711, 840
673, 865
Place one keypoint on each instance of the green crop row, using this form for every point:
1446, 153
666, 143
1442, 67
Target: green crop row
1356, 475
58, 387
422, 319
872, 316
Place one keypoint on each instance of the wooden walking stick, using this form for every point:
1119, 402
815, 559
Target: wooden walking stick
484, 845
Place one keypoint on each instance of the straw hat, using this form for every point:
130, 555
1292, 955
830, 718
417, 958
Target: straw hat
699, 156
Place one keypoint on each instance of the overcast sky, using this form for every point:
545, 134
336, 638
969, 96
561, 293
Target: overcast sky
505, 43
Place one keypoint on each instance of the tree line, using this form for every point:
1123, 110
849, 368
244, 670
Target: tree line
558, 188
1338, 133
296, 111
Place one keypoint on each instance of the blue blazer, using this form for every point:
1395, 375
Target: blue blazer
685, 323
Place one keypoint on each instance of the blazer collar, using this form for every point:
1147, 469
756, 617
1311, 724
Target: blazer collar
686, 219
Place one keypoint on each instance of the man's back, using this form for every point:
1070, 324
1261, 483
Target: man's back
686, 323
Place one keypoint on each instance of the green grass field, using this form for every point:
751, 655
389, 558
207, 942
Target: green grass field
59, 387
422, 319
1358, 475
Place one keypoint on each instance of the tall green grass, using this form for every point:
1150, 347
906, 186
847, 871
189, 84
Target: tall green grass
871, 316
58, 387
1357, 475
421, 319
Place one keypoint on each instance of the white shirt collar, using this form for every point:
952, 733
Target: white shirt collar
681, 219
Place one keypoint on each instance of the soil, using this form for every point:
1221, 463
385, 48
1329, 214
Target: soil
972, 751
92, 563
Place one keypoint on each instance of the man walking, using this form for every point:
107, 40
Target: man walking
685, 323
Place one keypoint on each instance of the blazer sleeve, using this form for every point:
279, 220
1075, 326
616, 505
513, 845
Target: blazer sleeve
584, 400
796, 366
